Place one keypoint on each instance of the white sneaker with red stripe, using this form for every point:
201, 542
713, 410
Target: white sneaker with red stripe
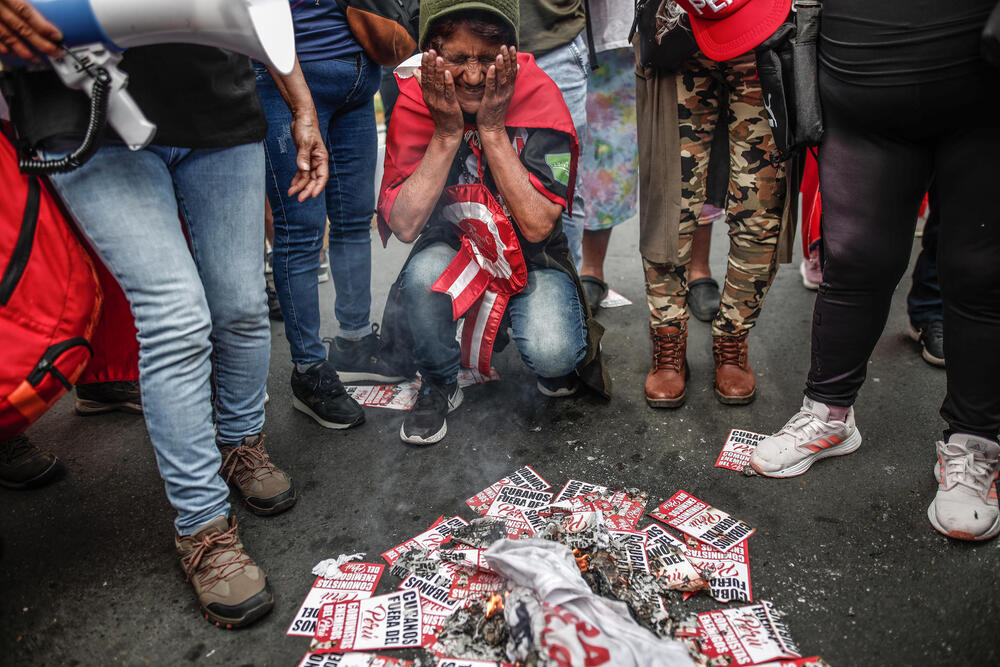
965, 506
808, 436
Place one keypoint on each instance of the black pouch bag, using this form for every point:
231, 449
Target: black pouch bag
786, 65
671, 49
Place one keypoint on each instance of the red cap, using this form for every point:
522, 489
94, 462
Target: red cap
725, 29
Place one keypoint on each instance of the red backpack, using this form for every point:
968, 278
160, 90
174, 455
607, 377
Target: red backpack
50, 299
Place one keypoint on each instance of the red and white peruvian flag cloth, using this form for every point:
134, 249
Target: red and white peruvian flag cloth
488, 269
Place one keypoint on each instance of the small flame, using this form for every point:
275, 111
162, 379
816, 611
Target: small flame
582, 560
494, 604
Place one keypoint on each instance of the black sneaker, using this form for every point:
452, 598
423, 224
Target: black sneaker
23, 466
319, 393
361, 360
426, 424
559, 387
97, 398
931, 339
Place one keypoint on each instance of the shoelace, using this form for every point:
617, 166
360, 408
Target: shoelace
803, 424
730, 350
962, 468
15, 449
206, 553
667, 351
251, 461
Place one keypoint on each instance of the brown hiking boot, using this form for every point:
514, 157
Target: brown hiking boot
232, 590
22, 465
96, 398
266, 489
734, 380
665, 382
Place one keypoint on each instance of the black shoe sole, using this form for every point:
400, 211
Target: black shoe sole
305, 409
280, 503
256, 607
88, 408
51, 474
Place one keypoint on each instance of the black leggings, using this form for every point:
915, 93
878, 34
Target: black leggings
881, 148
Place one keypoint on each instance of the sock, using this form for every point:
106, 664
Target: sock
838, 413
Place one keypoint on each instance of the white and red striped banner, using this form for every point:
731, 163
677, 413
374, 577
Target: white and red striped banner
488, 269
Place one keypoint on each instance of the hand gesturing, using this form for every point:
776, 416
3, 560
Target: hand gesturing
438, 88
500, 79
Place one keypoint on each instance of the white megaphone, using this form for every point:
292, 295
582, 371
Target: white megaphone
96, 31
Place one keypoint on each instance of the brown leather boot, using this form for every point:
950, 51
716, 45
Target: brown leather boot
734, 380
665, 382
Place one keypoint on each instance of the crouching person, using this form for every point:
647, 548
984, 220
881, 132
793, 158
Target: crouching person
480, 159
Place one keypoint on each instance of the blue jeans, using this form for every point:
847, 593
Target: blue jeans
569, 67
196, 309
546, 318
343, 90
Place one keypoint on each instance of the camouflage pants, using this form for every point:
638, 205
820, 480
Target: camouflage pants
755, 199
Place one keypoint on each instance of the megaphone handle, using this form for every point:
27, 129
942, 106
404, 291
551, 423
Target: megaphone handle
124, 115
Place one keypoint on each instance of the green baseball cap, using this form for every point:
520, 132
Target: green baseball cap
507, 11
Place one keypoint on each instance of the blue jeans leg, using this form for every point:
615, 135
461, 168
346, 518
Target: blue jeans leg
436, 353
187, 306
548, 323
343, 91
569, 67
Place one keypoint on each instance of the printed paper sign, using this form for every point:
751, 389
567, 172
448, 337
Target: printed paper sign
614, 300
574, 488
667, 560
382, 622
702, 521
430, 539
524, 477
635, 546
508, 504
736, 453
747, 635
475, 585
457, 662
812, 661
359, 582
390, 396
436, 589
729, 580
432, 618
351, 660
511, 499
403, 396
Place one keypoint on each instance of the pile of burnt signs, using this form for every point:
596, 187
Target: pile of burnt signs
551, 578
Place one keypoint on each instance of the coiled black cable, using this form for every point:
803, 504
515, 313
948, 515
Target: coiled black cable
91, 138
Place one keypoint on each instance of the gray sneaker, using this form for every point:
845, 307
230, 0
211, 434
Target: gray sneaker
965, 506
810, 435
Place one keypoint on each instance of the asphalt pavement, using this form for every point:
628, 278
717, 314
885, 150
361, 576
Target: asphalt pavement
88, 573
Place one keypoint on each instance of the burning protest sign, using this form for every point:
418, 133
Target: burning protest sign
579, 586
430, 539
738, 449
702, 521
357, 582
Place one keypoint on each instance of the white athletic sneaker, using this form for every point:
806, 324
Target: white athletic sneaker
807, 437
965, 506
